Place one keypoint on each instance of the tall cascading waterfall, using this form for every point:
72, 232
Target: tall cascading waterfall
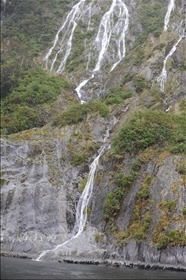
112, 29
81, 210
171, 7
162, 79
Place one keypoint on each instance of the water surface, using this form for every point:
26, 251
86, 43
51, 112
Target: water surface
12, 268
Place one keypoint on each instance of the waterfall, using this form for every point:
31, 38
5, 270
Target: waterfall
163, 76
81, 210
162, 79
108, 27
109, 41
80, 86
65, 45
171, 7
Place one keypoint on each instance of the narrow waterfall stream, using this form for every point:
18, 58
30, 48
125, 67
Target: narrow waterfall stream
78, 89
163, 76
171, 7
108, 28
162, 79
81, 210
65, 43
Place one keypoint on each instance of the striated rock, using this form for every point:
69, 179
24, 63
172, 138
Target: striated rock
41, 173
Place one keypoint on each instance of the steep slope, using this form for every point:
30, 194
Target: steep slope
130, 56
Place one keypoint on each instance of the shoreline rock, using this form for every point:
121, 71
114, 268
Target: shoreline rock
128, 264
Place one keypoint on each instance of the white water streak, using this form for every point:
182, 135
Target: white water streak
171, 7
108, 27
82, 84
67, 28
81, 210
112, 29
163, 76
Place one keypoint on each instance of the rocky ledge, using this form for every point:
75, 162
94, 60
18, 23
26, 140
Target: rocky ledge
113, 263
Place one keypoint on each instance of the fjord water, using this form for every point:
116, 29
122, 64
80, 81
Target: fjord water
12, 268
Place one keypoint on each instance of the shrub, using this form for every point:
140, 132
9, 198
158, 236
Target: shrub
144, 193
113, 199
143, 130
184, 211
152, 19
82, 183
170, 205
77, 113
22, 118
78, 159
116, 96
163, 243
173, 237
140, 84
19, 108
147, 128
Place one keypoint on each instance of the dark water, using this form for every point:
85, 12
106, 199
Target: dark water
12, 268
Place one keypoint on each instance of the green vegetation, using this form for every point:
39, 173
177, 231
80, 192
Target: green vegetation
152, 19
140, 84
141, 218
78, 113
28, 28
169, 205
123, 183
173, 237
184, 211
2, 181
116, 96
22, 108
82, 183
147, 128
79, 159
163, 235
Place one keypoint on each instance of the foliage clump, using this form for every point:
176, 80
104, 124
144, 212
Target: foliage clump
173, 237
152, 19
116, 96
147, 128
78, 113
123, 183
21, 109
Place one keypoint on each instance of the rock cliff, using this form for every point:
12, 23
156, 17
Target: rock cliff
137, 211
